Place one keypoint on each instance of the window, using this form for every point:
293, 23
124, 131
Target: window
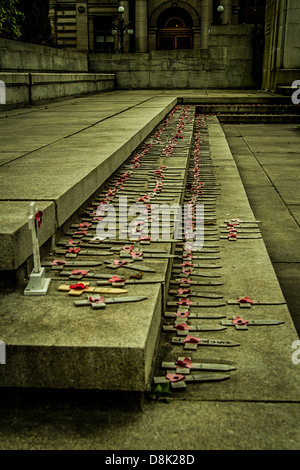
103, 39
252, 11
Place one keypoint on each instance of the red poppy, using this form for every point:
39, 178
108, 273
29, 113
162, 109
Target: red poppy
39, 217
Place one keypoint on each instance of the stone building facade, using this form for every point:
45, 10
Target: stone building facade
281, 65
156, 24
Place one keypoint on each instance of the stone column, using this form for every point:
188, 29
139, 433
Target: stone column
125, 4
227, 4
206, 20
141, 26
82, 26
291, 44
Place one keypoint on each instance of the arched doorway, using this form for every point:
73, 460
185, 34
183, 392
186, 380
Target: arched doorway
174, 29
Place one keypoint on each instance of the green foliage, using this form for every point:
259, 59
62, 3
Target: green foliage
162, 392
36, 28
26, 20
11, 19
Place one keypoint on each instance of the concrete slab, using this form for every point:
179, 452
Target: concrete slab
295, 211
50, 333
270, 180
67, 424
8, 156
66, 164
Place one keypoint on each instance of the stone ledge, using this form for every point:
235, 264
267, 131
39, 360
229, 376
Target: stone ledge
15, 235
47, 78
63, 175
50, 343
34, 88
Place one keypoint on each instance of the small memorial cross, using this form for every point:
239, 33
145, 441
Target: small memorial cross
38, 284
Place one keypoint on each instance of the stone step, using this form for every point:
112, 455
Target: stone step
245, 109
259, 118
59, 155
54, 343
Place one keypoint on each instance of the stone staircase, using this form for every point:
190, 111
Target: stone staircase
52, 343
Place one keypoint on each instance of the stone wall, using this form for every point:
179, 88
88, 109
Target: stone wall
34, 74
16, 56
227, 63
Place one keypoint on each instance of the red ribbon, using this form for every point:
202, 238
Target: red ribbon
186, 271
187, 263
174, 377
184, 280
58, 262
39, 217
185, 302
79, 286
84, 224
246, 300
118, 262
186, 362
96, 300
192, 339
81, 232
182, 326
134, 254
72, 242
116, 279
183, 291
145, 238
73, 250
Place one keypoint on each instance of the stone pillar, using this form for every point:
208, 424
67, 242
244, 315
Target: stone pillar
82, 26
227, 4
125, 4
291, 43
206, 20
141, 26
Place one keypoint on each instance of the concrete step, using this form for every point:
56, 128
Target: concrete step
113, 348
258, 118
58, 155
248, 109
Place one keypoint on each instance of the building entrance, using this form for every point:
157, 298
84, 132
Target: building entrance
174, 30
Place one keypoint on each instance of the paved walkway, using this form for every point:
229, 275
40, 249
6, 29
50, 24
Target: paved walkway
268, 159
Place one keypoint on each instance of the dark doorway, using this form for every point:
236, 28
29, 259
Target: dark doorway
174, 29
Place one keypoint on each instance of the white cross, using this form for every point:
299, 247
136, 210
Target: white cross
32, 222
2, 353
38, 284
